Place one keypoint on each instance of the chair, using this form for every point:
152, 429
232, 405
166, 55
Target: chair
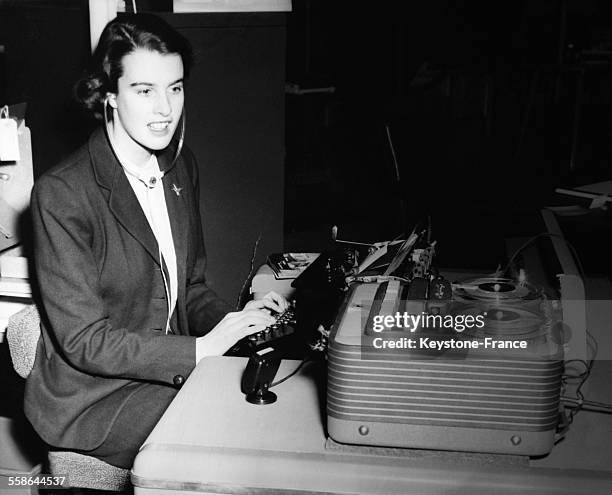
82, 471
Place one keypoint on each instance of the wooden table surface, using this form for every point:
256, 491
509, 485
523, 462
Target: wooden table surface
212, 441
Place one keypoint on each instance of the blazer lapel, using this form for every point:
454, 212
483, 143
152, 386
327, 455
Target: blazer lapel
128, 212
179, 223
121, 200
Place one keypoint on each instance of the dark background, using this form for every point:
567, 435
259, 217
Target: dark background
483, 102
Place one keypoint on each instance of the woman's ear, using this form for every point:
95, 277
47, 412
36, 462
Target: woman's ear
111, 99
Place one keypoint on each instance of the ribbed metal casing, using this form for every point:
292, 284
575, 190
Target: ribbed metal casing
470, 403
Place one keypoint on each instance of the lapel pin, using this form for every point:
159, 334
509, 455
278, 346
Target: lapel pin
177, 190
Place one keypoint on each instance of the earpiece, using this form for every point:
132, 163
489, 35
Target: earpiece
110, 100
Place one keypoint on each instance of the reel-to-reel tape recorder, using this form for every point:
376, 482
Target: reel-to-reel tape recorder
477, 368
491, 387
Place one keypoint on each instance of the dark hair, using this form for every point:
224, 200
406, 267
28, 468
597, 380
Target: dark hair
120, 37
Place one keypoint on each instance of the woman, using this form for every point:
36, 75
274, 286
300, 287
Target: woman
120, 258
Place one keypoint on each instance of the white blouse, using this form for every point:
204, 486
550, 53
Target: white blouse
147, 185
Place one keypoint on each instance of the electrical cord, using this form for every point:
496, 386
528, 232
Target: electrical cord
586, 404
579, 403
298, 368
535, 238
248, 277
319, 346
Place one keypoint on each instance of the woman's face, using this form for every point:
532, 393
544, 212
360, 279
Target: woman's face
148, 103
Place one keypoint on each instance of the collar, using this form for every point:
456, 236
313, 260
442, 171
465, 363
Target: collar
149, 174
106, 164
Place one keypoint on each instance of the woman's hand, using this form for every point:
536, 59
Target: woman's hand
271, 301
233, 327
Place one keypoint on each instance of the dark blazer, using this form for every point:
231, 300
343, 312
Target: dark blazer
103, 295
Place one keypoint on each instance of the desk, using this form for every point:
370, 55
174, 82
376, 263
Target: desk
210, 440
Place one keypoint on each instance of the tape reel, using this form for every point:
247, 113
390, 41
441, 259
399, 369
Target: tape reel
507, 321
502, 290
510, 309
